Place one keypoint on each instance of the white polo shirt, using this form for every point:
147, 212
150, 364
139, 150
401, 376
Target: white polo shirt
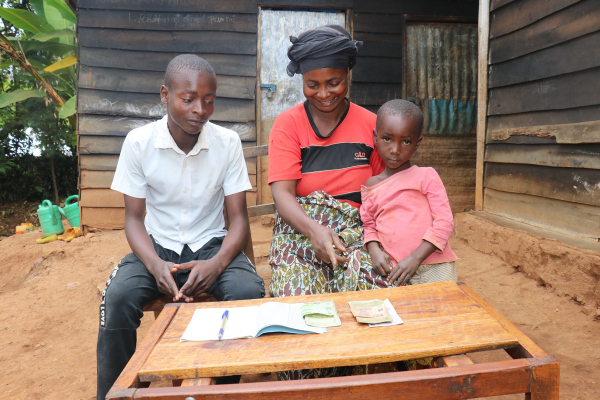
184, 192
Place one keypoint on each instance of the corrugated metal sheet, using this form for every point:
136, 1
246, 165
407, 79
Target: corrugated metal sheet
441, 75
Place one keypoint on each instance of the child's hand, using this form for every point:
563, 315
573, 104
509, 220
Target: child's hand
380, 259
403, 271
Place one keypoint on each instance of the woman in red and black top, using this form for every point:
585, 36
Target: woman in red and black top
320, 153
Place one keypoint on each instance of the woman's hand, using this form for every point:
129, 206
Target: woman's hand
323, 239
380, 259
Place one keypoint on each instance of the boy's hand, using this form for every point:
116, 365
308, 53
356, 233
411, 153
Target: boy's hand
323, 239
202, 275
163, 273
380, 259
403, 271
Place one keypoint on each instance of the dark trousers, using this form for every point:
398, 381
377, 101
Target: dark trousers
130, 287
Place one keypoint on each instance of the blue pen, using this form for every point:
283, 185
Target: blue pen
222, 330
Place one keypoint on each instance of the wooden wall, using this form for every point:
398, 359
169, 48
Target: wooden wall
542, 141
124, 49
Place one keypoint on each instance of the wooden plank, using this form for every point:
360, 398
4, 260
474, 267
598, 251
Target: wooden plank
107, 125
576, 185
499, 3
554, 215
580, 19
378, 23
374, 93
182, 42
550, 155
380, 44
167, 21
572, 56
524, 140
582, 132
128, 377
327, 4
100, 144
98, 162
149, 105
479, 380
377, 69
125, 80
103, 218
198, 382
455, 361
444, 8
521, 13
223, 64
101, 198
482, 97
96, 179
256, 151
263, 209
565, 91
539, 118
472, 329
237, 6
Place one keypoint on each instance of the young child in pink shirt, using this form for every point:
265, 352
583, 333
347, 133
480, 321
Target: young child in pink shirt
405, 210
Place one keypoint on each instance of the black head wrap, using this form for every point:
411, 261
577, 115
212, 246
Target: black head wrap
328, 46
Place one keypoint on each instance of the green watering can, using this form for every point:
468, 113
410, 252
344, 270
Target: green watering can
50, 218
71, 211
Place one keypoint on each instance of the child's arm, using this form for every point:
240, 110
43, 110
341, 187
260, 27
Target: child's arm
380, 259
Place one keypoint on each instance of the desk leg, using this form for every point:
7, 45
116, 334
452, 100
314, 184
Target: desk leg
544, 381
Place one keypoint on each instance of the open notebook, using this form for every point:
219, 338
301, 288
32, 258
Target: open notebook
248, 322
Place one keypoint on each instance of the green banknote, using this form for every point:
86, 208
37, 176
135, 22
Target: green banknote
320, 313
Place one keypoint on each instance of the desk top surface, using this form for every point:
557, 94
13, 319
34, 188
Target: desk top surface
439, 320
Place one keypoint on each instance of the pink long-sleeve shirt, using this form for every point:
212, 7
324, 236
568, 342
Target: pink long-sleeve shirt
405, 209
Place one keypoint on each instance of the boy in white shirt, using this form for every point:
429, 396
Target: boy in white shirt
178, 171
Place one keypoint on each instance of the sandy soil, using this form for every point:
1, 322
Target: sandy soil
49, 298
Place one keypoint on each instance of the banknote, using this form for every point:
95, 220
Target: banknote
322, 314
370, 312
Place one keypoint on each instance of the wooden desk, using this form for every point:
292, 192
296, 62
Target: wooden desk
441, 319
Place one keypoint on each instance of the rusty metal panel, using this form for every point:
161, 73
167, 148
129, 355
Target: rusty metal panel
441, 75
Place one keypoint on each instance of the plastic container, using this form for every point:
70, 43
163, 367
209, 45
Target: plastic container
50, 219
71, 211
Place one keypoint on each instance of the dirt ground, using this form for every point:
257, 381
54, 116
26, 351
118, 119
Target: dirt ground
49, 298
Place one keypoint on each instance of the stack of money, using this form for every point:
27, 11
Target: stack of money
370, 312
320, 313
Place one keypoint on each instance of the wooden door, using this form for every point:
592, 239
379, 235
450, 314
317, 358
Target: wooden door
276, 27
441, 78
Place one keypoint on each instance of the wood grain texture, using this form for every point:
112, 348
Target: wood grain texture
542, 118
262, 209
482, 96
554, 215
459, 8
576, 185
103, 218
223, 64
378, 23
566, 156
167, 21
328, 4
100, 144
95, 179
238, 6
380, 44
582, 132
578, 89
570, 23
421, 307
125, 80
198, 382
98, 162
499, 3
144, 105
182, 42
256, 151
128, 377
374, 93
572, 56
455, 361
521, 13
377, 69
101, 198
481, 380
